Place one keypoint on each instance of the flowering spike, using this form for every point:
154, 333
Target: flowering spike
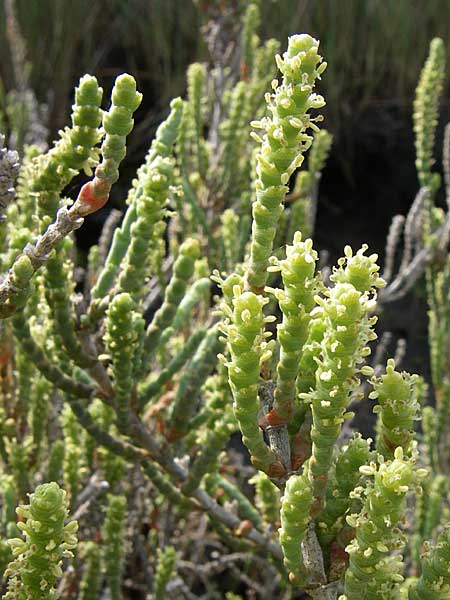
36, 567
283, 146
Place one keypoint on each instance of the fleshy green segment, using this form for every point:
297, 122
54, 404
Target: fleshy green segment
36, 568
398, 408
345, 478
118, 123
267, 497
247, 348
343, 348
74, 151
59, 293
295, 508
426, 113
373, 571
319, 153
124, 328
114, 544
164, 571
202, 364
150, 209
183, 270
246, 510
434, 581
296, 301
91, 581
282, 147
211, 444
161, 146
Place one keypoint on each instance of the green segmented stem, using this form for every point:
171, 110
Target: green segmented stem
59, 293
247, 350
118, 123
56, 461
26, 391
74, 151
196, 75
122, 343
9, 500
245, 507
398, 408
302, 214
91, 580
319, 152
230, 233
21, 273
434, 496
249, 39
343, 347
150, 210
161, 146
263, 72
40, 410
162, 483
183, 269
36, 567
295, 508
181, 146
430, 428
373, 572
165, 568
153, 389
210, 447
51, 372
231, 133
197, 292
73, 466
345, 478
19, 457
434, 581
307, 370
267, 498
167, 132
114, 468
203, 362
282, 147
296, 302
113, 534
426, 113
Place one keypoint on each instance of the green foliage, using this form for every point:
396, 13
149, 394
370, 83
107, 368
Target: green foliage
117, 391
426, 107
373, 572
124, 328
36, 566
164, 571
282, 146
90, 584
248, 351
434, 581
398, 408
295, 507
114, 543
